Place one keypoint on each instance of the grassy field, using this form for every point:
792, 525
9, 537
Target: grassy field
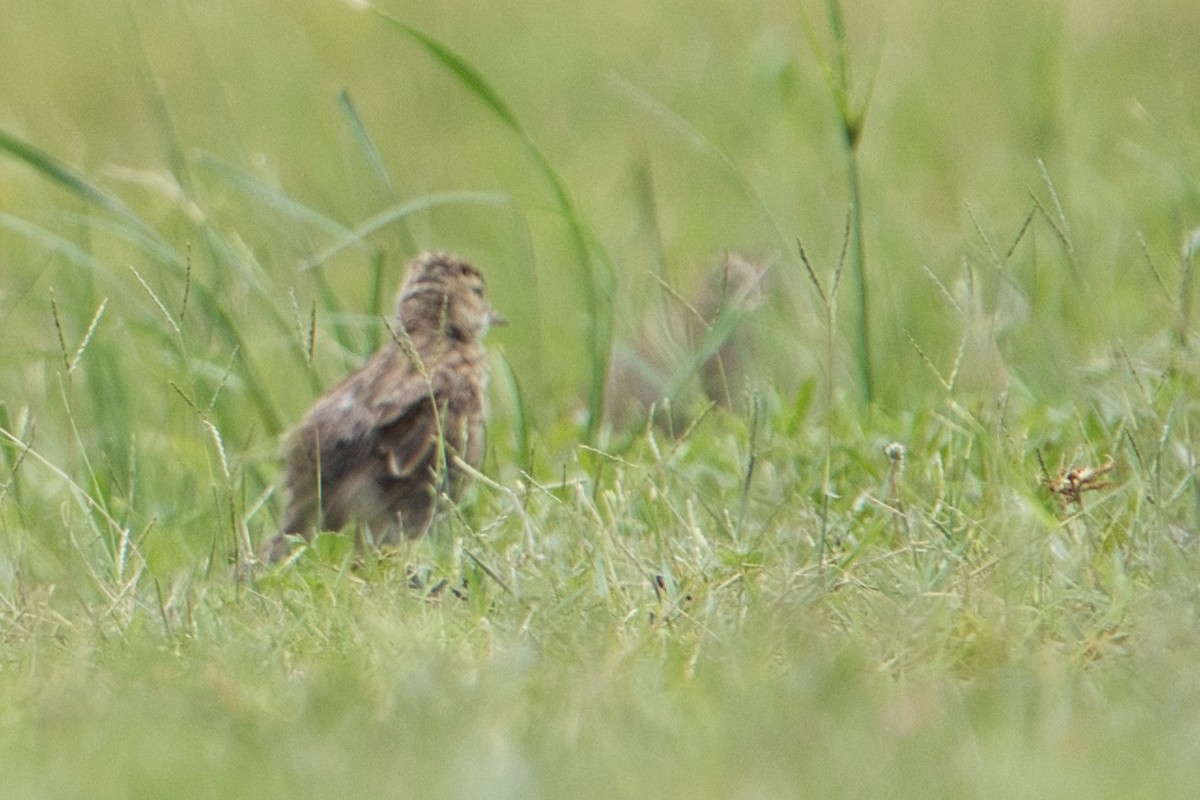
860, 584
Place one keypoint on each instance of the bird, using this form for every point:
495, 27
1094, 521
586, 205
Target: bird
732, 292
381, 446
651, 376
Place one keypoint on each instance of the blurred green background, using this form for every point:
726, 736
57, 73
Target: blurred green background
164, 104
184, 265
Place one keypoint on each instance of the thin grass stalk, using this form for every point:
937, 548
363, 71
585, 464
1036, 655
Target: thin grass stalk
829, 305
837, 78
858, 267
143, 235
851, 123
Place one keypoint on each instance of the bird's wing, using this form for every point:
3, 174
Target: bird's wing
386, 408
408, 417
408, 440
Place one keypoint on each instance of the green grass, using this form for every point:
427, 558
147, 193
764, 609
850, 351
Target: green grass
204, 211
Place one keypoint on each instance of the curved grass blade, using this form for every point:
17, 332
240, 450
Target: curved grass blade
461, 70
268, 195
70, 179
390, 215
75, 255
365, 143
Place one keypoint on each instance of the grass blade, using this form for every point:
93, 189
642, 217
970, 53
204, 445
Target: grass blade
69, 178
365, 143
357, 236
74, 254
269, 196
460, 69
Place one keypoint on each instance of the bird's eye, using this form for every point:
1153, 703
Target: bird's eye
477, 290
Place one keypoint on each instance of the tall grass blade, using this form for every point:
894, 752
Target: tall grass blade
70, 179
357, 236
268, 195
153, 91
374, 161
73, 253
460, 69
205, 297
159, 251
837, 77
363, 138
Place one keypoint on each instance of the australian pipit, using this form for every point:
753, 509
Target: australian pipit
380, 447
707, 336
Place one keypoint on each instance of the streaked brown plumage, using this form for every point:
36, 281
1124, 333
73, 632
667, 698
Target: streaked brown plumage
371, 449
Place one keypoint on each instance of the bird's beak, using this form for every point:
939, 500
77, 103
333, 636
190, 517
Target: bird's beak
496, 319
